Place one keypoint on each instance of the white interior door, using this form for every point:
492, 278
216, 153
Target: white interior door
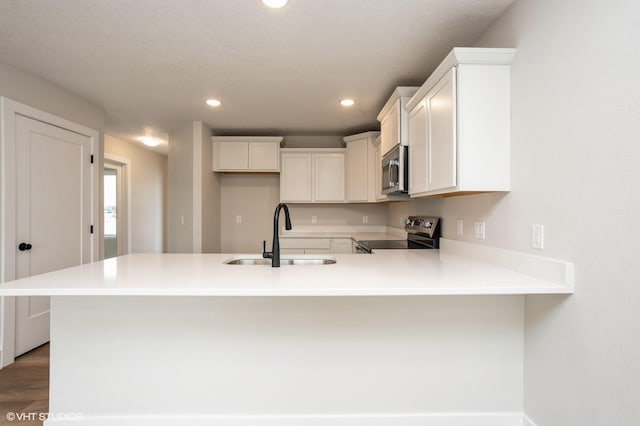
53, 196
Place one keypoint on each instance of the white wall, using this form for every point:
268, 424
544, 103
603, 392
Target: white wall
39, 93
180, 190
147, 181
575, 158
194, 194
211, 204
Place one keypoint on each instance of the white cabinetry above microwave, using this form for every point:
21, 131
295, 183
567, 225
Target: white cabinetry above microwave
246, 153
312, 175
459, 125
394, 119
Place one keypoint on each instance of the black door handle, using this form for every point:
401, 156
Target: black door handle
24, 246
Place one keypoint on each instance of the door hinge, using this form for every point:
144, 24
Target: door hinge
91, 229
91, 160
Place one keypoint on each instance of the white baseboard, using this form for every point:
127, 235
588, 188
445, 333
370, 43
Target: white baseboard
435, 419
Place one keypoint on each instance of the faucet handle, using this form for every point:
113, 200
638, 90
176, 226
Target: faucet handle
265, 253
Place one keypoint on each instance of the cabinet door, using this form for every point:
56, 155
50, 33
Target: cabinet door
356, 171
264, 156
295, 178
390, 128
328, 177
234, 155
441, 104
418, 153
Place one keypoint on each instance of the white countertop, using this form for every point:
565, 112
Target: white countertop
385, 273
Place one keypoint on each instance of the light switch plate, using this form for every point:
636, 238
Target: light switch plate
238, 219
459, 227
314, 219
365, 219
479, 230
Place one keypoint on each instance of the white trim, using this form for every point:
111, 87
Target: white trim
526, 421
125, 164
8, 111
435, 419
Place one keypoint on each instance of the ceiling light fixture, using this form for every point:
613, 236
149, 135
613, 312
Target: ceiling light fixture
149, 140
347, 102
276, 4
214, 102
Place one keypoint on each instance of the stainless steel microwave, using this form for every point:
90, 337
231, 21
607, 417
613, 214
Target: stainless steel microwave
395, 171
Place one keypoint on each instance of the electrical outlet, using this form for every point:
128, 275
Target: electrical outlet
459, 227
181, 220
238, 219
365, 219
479, 230
537, 236
314, 219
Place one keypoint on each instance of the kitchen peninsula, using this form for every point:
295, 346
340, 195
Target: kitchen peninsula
155, 339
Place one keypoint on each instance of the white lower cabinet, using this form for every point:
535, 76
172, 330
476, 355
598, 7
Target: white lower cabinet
312, 176
315, 245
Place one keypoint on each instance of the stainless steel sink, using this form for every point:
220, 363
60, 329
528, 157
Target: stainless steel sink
285, 261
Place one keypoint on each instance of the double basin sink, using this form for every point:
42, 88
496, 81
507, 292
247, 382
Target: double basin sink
283, 261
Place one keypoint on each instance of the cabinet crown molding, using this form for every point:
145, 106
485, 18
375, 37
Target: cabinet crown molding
360, 136
271, 139
313, 150
399, 93
461, 56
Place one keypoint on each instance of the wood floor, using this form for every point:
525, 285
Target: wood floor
24, 387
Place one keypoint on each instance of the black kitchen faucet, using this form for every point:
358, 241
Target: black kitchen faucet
274, 254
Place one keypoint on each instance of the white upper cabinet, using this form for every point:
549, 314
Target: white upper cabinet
394, 119
459, 125
296, 177
361, 167
328, 177
246, 153
312, 175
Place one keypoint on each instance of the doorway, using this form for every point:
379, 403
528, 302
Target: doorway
48, 213
115, 230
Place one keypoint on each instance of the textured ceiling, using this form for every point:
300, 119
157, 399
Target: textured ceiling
152, 63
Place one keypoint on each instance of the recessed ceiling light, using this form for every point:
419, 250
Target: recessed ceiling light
214, 102
275, 3
347, 102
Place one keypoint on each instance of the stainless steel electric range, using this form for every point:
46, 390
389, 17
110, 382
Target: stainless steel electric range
423, 232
